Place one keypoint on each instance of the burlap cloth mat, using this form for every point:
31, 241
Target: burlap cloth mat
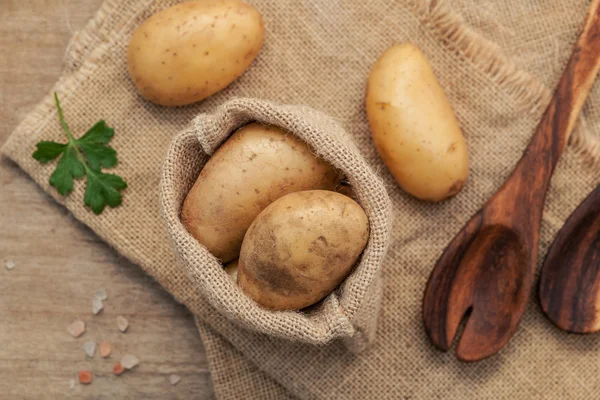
319, 53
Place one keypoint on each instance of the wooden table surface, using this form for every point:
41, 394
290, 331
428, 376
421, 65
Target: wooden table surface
60, 263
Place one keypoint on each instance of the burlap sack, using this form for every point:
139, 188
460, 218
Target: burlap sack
319, 53
351, 311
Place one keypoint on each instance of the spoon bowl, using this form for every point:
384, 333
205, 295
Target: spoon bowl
570, 282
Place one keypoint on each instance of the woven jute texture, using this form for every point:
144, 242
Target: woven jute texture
349, 313
498, 65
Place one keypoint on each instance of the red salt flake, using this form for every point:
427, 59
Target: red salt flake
118, 369
85, 377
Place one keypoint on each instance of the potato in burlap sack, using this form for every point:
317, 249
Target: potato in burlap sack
351, 311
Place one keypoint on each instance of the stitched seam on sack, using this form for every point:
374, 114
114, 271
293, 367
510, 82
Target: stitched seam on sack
489, 59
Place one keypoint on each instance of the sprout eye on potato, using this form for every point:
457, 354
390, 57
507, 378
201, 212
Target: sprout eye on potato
192, 50
414, 127
257, 165
300, 248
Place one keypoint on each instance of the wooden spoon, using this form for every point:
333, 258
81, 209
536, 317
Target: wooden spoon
570, 283
488, 268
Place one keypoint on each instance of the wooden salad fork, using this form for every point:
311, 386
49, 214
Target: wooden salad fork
486, 273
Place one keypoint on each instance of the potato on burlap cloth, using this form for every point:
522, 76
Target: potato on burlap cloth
319, 53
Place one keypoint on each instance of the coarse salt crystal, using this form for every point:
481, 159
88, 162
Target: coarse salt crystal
89, 348
97, 305
118, 369
174, 379
85, 377
122, 323
76, 328
101, 294
129, 361
105, 349
10, 265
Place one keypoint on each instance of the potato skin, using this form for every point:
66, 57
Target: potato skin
257, 165
192, 50
414, 127
300, 248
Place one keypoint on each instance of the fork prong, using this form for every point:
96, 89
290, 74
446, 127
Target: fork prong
446, 301
482, 269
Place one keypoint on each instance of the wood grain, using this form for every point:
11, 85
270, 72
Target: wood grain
486, 273
60, 263
570, 281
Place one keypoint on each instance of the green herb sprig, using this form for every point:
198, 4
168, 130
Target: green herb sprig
81, 157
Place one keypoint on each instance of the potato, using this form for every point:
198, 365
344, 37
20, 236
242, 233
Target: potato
192, 50
300, 248
257, 165
414, 127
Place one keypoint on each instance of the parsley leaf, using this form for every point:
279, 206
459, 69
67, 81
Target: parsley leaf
102, 189
48, 151
93, 144
99, 133
81, 157
68, 167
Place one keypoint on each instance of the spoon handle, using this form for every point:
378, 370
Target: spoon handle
532, 174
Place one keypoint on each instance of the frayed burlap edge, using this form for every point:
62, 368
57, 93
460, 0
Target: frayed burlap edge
489, 58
